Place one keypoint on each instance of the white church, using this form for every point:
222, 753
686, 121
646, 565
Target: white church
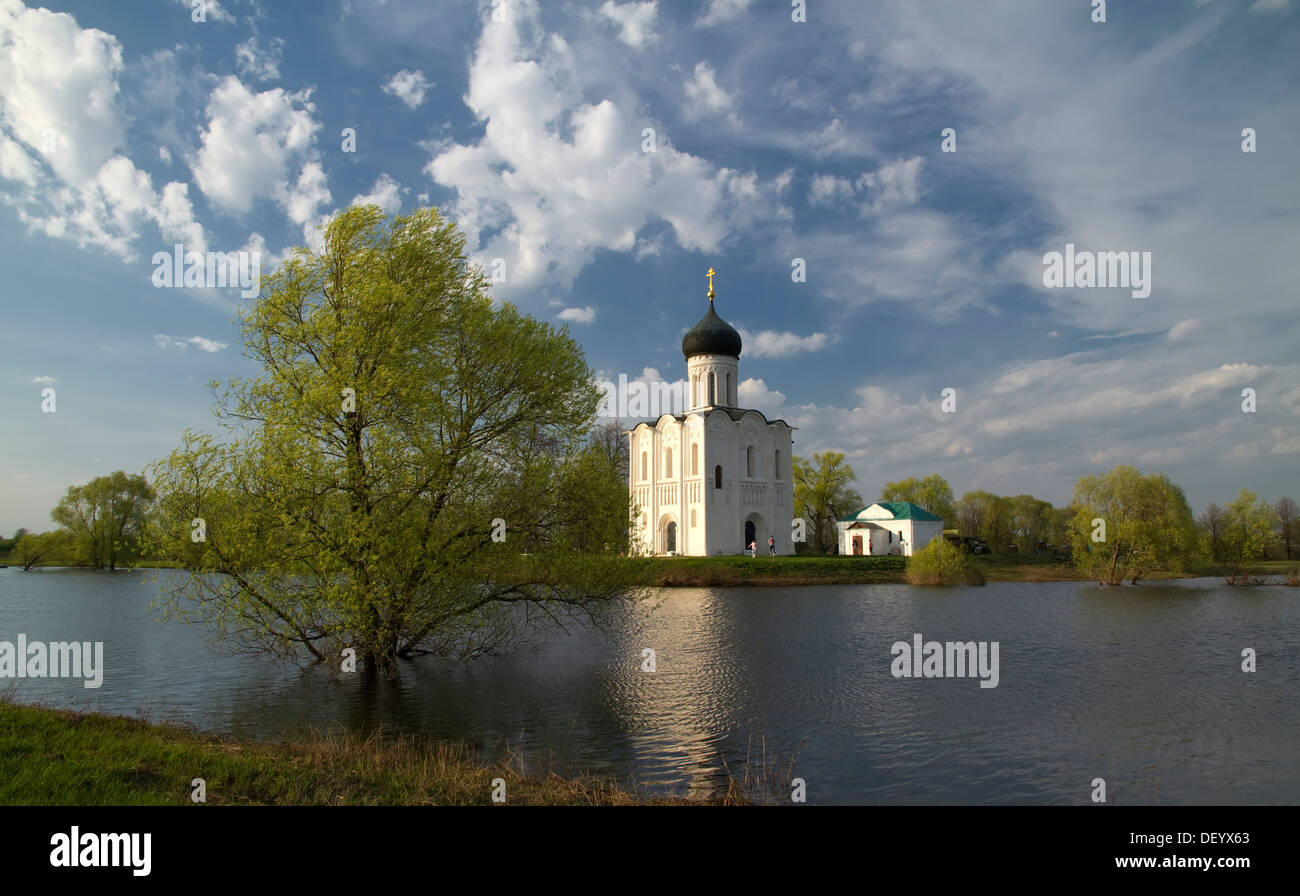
718, 477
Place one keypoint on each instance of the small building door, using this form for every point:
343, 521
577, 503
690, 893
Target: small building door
857, 545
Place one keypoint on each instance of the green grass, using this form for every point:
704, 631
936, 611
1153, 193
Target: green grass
55, 757
798, 570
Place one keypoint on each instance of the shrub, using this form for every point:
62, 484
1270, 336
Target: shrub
939, 563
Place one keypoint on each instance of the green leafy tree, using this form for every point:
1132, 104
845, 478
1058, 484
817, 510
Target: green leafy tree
1248, 525
972, 512
1030, 522
1287, 512
54, 547
405, 441
106, 517
1211, 523
941, 563
931, 493
8, 544
1146, 525
987, 516
822, 495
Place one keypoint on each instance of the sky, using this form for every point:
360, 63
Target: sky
603, 155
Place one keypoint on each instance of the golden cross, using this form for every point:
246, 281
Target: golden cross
710, 276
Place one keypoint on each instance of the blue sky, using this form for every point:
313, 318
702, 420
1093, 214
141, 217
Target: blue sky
774, 140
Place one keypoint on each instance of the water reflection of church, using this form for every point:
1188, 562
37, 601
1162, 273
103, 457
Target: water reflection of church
718, 477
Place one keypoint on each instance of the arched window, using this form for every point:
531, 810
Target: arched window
692, 517
776, 464
695, 458
668, 462
713, 388
717, 476
695, 391
751, 461
645, 467
731, 390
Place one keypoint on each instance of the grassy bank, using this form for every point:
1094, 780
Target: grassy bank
54, 757
804, 570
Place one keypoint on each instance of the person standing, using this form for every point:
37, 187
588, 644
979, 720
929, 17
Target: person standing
753, 549
771, 545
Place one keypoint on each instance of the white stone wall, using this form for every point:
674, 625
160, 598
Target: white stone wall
665, 495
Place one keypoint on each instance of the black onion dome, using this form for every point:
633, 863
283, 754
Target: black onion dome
711, 336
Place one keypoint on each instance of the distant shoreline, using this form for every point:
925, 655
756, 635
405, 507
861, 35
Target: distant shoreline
740, 571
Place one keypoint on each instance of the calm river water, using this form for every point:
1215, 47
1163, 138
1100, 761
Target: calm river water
1140, 686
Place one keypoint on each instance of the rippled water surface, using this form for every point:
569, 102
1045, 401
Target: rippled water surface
1140, 686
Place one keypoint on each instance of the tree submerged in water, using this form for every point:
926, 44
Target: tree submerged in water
411, 472
941, 563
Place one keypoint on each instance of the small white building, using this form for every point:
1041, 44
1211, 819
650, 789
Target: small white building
718, 477
888, 527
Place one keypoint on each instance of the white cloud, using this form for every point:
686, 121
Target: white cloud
754, 393
706, 99
721, 11
827, 189
1180, 330
774, 344
45, 380
896, 183
258, 61
578, 315
1266, 6
16, 164
252, 143
58, 89
199, 342
165, 155
385, 193
409, 87
635, 21
555, 179
1244, 451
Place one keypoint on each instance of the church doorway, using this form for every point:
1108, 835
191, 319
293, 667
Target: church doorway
751, 534
670, 538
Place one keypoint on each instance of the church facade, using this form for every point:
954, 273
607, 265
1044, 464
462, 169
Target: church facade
718, 477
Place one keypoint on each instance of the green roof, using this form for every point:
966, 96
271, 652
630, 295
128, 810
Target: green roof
901, 510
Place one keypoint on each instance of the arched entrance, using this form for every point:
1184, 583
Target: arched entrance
755, 533
666, 540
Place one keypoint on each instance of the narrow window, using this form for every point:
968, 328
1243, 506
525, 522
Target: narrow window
695, 458
645, 468
776, 464
717, 476
750, 461
713, 389
731, 391
692, 518
668, 462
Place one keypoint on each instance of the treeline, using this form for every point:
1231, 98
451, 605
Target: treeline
113, 521
1019, 524
101, 525
1120, 525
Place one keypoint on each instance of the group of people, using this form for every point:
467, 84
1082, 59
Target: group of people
752, 550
